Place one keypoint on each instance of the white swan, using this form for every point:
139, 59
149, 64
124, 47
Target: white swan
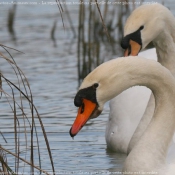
126, 111
115, 76
147, 23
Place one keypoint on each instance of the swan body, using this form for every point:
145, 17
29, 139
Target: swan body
126, 111
113, 77
132, 110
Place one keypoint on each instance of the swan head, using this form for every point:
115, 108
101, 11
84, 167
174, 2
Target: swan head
86, 100
143, 26
96, 89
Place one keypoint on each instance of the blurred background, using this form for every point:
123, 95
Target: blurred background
59, 49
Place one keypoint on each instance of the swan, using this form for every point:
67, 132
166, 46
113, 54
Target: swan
126, 111
110, 79
147, 23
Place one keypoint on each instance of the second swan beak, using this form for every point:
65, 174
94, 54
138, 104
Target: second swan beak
133, 50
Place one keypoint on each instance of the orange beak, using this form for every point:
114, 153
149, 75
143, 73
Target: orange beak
87, 111
134, 49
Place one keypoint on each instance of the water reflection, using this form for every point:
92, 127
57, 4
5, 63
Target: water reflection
11, 19
116, 161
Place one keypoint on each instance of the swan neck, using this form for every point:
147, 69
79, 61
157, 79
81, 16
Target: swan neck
153, 144
165, 45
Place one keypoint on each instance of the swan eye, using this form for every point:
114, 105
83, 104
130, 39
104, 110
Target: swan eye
95, 85
141, 27
82, 108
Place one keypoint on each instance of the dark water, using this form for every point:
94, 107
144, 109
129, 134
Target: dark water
52, 73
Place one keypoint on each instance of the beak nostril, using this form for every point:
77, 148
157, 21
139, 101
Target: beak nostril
82, 108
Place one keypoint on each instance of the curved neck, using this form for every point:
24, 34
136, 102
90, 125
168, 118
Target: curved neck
138, 71
165, 44
153, 145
